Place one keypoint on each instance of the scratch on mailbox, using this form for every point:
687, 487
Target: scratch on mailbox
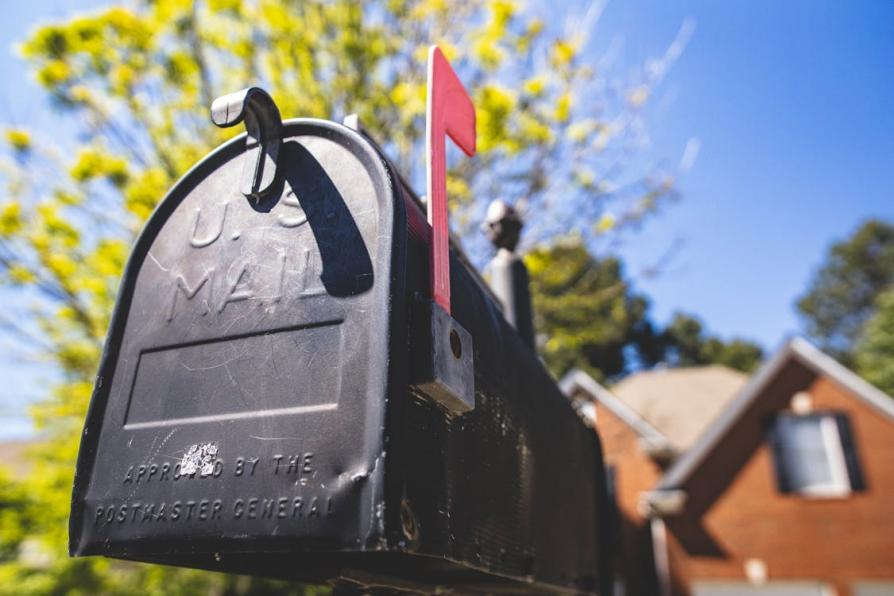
163, 443
211, 366
160, 266
233, 322
272, 357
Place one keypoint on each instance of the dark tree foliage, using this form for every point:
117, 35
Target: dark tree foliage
686, 343
588, 316
843, 294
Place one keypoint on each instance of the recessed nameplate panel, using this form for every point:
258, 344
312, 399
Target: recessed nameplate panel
238, 377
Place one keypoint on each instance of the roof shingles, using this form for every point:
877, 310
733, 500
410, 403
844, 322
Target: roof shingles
681, 403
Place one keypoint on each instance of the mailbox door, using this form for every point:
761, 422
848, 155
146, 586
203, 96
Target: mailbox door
241, 397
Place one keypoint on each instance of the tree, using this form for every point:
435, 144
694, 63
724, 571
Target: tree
843, 294
687, 344
874, 352
586, 314
136, 83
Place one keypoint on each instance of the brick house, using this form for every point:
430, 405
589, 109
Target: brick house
783, 486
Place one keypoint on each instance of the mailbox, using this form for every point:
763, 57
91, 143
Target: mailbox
264, 401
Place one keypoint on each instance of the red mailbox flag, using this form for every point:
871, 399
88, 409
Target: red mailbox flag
449, 112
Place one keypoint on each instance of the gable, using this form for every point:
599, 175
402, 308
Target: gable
735, 510
793, 369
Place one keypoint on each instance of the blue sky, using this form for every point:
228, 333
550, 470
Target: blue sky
790, 103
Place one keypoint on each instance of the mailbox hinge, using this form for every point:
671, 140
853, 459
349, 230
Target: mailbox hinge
264, 127
442, 352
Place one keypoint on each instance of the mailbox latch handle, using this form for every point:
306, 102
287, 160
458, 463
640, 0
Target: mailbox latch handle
264, 127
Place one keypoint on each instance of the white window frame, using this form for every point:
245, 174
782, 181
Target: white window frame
741, 587
875, 587
840, 484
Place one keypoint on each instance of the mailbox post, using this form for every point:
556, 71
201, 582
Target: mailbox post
265, 400
508, 273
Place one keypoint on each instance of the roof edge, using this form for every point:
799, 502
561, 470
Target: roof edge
578, 379
809, 356
821, 362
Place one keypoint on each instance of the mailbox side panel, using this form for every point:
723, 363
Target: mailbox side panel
515, 487
241, 397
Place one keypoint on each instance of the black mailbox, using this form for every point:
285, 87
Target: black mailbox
260, 408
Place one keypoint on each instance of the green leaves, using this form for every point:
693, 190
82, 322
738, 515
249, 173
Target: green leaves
141, 196
842, 295
874, 351
10, 219
591, 318
686, 343
494, 106
18, 139
585, 310
92, 163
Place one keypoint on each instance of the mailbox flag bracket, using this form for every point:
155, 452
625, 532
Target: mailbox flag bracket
263, 125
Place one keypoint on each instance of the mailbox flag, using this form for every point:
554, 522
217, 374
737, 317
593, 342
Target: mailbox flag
449, 112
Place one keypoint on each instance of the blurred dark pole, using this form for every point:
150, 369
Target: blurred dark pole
507, 271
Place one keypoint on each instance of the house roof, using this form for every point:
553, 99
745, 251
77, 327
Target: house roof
798, 350
579, 380
681, 403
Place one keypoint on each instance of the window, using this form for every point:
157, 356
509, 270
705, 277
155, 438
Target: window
873, 588
815, 455
780, 588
